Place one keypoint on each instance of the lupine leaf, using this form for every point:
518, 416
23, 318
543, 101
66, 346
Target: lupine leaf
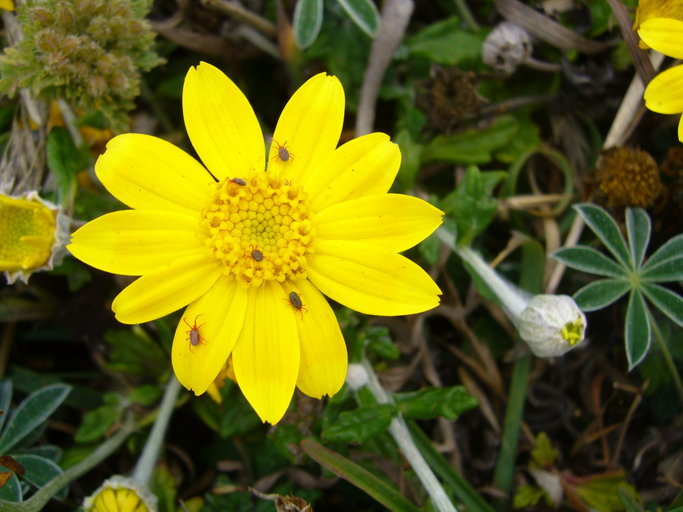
668, 270
308, 18
638, 229
638, 333
606, 229
601, 293
589, 260
668, 302
363, 13
670, 250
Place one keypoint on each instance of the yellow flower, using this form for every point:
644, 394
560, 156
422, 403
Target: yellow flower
251, 244
8, 5
120, 494
29, 234
664, 94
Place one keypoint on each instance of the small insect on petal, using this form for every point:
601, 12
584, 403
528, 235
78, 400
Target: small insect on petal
193, 335
282, 152
296, 303
238, 181
257, 255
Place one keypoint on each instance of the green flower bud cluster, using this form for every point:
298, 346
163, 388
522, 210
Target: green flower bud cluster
88, 52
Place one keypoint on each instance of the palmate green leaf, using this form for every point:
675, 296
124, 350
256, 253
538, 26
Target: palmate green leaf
431, 403
31, 413
638, 229
668, 302
379, 489
308, 18
361, 424
587, 259
638, 333
601, 293
363, 13
670, 250
606, 229
668, 270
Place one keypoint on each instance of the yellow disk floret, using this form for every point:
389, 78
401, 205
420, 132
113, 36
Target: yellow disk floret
259, 229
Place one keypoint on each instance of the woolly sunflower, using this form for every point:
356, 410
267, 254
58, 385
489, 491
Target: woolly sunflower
664, 94
252, 241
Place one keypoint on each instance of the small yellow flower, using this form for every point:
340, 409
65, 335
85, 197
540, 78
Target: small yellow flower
664, 94
120, 494
253, 241
8, 5
28, 230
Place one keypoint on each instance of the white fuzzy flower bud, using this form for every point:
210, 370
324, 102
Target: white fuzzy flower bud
506, 47
552, 325
356, 376
123, 494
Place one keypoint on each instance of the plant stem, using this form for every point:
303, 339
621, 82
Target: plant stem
42, 496
401, 435
467, 14
670, 364
150, 453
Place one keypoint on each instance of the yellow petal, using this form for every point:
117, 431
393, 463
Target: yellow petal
221, 123
266, 357
8, 5
309, 128
148, 173
392, 221
680, 129
166, 290
664, 35
219, 315
135, 242
363, 166
370, 279
323, 352
664, 94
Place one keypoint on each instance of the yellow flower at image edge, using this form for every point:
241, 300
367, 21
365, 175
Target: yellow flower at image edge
254, 243
120, 494
664, 94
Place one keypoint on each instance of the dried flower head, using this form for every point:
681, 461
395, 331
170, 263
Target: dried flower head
89, 52
629, 177
506, 47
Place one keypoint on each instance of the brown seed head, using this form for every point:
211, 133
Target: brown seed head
628, 177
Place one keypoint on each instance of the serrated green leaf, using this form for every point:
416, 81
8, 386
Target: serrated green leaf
377, 340
668, 270
670, 250
529, 496
429, 403
96, 423
308, 18
471, 146
601, 293
361, 424
606, 229
668, 302
638, 333
587, 259
31, 413
543, 454
447, 43
377, 488
638, 229
64, 160
363, 13
38, 470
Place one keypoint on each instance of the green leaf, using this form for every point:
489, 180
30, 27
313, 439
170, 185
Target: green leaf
472, 205
529, 496
600, 492
447, 43
638, 332
429, 403
670, 250
606, 229
363, 13
601, 293
668, 302
361, 424
429, 249
638, 229
135, 353
589, 260
11, 491
629, 502
543, 454
146, 395
410, 158
308, 18
380, 490
5, 400
377, 340
39, 470
64, 160
31, 413
667, 270
96, 423
471, 146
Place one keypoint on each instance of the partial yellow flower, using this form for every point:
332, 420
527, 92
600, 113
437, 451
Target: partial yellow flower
8, 5
30, 230
120, 494
664, 94
254, 240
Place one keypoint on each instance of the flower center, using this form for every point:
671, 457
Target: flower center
259, 229
572, 332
